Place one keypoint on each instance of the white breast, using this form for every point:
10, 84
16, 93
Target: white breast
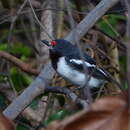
76, 77
68, 72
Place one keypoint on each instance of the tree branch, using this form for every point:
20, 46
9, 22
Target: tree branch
34, 89
83, 27
68, 93
23, 66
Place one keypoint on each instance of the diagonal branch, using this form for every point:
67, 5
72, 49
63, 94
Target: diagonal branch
69, 93
34, 89
23, 66
83, 27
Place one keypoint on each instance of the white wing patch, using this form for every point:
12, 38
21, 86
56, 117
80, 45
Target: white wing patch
81, 62
102, 72
87, 64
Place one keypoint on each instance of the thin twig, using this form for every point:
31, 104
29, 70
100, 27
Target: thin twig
60, 20
12, 86
8, 17
14, 20
117, 40
68, 93
41, 25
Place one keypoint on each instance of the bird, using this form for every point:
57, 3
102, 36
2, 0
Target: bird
68, 63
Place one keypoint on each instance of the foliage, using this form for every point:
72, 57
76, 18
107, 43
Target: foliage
57, 116
17, 49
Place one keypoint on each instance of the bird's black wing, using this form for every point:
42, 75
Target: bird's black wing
76, 63
76, 55
88, 59
99, 73
75, 60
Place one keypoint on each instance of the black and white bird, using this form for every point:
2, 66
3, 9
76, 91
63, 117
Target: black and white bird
67, 62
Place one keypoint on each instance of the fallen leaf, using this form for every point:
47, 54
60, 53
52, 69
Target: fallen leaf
5, 123
108, 113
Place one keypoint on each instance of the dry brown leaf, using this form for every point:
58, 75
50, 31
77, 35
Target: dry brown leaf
108, 113
5, 123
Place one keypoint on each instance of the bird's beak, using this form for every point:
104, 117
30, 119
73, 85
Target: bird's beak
46, 42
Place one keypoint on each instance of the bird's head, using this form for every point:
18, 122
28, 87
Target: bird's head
50, 44
59, 46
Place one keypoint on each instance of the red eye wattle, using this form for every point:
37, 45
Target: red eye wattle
53, 43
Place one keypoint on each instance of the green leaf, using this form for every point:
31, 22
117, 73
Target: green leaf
34, 103
58, 116
123, 62
3, 47
19, 79
113, 21
21, 127
126, 85
17, 48
2, 102
105, 28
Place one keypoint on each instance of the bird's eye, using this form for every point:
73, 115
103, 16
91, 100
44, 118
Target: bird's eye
53, 43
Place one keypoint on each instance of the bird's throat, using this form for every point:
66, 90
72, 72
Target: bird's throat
54, 56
